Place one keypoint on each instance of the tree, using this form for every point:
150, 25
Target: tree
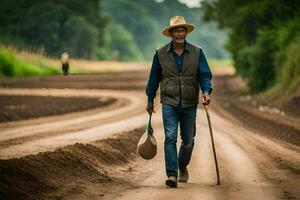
254, 37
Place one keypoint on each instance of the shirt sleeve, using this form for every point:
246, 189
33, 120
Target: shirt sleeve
204, 74
154, 79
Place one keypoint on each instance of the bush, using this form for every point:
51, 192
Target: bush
286, 34
80, 37
255, 63
11, 66
262, 71
289, 73
103, 53
261, 39
119, 44
7, 61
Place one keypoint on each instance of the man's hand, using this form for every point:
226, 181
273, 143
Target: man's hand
205, 99
150, 108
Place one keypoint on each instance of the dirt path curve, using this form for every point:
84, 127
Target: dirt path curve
39, 135
248, 161
243, 170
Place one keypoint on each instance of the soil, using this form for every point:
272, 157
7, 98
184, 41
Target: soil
71, 171
229, 96
20, 107
258, 149
292, 106
127, 80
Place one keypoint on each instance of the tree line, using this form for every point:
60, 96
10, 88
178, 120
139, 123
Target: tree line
142, 21
52, 25
100, 29
264, 39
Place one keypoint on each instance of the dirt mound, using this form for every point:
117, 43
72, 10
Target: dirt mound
292, 106
132, 80
71, 170
228, 93
25, 107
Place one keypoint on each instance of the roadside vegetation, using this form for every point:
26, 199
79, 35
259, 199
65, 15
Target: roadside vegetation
25, 64
287, 80
16, 63
101, 29
263, 40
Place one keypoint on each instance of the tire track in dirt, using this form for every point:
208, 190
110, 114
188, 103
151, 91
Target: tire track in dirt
228, 96
241, 176
277, 160
252, 166
81, 171
19, 140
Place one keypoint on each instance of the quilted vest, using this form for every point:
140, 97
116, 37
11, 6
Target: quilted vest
179, 87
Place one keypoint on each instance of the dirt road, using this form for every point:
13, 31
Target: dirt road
246, 171
19, 139
97, 164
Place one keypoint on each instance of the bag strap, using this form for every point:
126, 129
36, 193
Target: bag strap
149, 127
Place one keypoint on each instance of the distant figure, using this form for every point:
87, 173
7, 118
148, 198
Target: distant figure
64, 59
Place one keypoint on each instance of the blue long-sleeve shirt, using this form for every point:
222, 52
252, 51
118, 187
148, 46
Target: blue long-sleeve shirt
204, 73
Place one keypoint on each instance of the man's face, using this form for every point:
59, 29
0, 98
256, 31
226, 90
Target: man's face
178, 34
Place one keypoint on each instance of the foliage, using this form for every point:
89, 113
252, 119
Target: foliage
100, 29
289, 73
11, 66
144, 20
260, 33
119, 44
54, 25
80, 37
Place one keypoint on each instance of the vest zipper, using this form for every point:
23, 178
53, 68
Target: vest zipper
180, 86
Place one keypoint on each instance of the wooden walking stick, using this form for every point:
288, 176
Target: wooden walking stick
212, 142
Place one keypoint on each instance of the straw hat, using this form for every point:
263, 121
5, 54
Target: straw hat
64, 57
177, 21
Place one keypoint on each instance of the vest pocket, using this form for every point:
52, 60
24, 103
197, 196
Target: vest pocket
189, 90
170, 88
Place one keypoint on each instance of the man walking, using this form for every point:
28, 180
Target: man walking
64, 59
181, 69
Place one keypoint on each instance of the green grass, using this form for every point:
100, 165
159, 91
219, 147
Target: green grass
288, 78
221, 62
12, 65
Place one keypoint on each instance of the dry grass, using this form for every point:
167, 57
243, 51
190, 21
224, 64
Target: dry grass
93, 66
39, 60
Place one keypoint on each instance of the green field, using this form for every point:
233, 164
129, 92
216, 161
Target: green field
20, 64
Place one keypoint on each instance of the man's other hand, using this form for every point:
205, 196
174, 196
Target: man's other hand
150, 108
205, 99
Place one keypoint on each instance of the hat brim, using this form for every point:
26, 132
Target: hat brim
166, 31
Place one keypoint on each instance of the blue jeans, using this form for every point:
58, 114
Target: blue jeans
186, 117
